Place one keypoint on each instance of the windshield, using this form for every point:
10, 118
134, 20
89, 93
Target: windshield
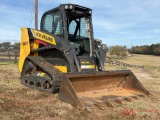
78, 28
78, 32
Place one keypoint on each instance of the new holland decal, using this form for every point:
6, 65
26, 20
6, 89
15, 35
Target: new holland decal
44, 37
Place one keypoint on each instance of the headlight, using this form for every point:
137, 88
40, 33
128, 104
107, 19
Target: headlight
66, 6
71, 7
90, 11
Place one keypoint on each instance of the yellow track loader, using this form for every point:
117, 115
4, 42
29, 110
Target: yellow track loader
63, 57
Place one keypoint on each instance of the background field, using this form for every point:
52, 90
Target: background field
18, 102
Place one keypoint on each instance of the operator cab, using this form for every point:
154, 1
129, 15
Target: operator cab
72, 22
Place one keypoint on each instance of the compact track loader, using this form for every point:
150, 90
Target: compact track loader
63, 57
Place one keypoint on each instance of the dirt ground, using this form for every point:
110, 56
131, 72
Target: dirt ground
18, 102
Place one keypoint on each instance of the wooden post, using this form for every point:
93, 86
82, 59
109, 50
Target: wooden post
9, 55
15, 61
36, 14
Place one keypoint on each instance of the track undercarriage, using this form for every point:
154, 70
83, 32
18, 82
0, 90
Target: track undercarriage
39, 74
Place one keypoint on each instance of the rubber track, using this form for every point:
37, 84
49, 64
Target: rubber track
53, 72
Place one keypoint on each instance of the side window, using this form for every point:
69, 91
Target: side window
83, 28
57, 25
47, 25
53, 24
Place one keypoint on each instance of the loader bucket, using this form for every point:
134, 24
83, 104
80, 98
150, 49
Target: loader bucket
93, 89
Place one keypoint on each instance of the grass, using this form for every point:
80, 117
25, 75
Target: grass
20, 103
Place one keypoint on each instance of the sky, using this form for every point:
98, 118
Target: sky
116, 22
